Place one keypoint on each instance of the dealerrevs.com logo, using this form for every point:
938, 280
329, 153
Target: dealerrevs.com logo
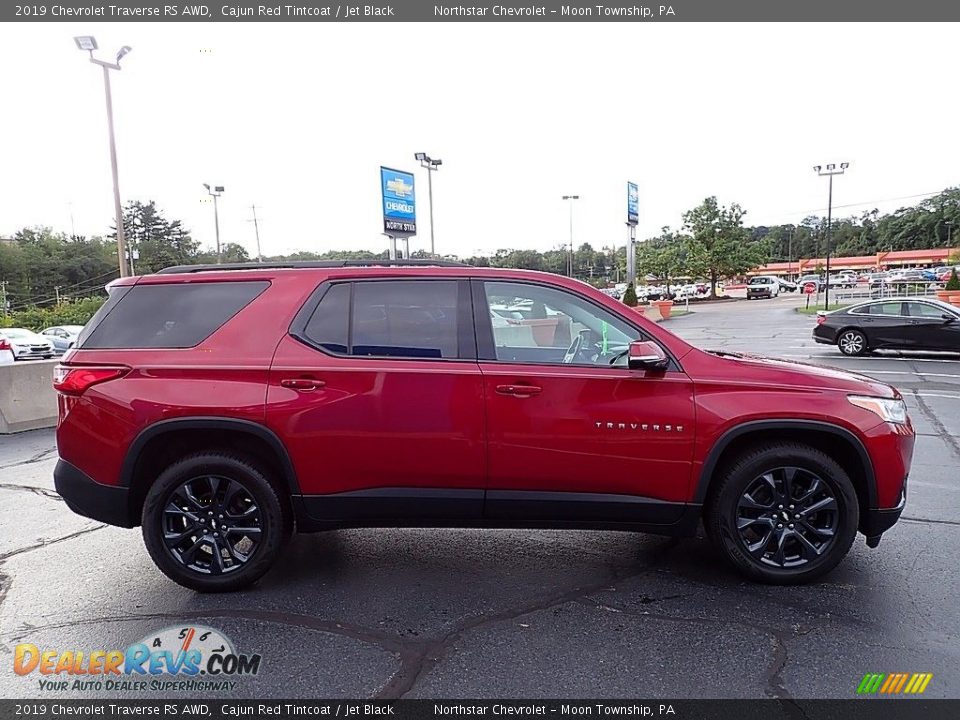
192, 658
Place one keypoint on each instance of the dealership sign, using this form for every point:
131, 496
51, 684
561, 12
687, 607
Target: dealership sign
633, 204
399, 204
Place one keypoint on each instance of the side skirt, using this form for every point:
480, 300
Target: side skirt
503, 509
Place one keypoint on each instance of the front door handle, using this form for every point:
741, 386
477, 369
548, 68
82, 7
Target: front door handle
304, 384
519, 390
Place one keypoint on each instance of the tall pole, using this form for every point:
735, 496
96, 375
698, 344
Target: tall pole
3, 297
570, 199
216, 228
826, 295
256, 230
118, 211
830, 171
949, 224
430, 195
789, 254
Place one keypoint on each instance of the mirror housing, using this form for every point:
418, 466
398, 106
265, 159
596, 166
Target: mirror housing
947, 318
646, 355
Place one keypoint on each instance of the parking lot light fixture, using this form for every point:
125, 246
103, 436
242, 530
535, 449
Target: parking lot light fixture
89, 44
570, 199
216, 192
829, 172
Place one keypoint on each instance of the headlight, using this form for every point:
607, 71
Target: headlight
891, 411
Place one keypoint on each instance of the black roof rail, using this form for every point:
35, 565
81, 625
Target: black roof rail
294, 264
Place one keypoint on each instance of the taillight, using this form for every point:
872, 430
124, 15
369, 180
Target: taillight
5, 344
821, 319
75, 380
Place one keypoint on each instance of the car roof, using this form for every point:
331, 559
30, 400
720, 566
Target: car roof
909, 298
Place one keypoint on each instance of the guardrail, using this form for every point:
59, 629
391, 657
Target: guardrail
27, 398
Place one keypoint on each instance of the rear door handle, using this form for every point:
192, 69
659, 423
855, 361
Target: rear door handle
304, 384
519, 390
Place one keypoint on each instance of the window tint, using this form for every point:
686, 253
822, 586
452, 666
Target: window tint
405, 318
887, 308
176, 315
926, 310
536, 324
329, 323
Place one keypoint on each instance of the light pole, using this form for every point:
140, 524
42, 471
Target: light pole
570, 198
431, 166
89, 43
949, 224
216, 192
830, 171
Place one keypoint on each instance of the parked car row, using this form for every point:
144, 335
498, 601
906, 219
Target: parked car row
24, 344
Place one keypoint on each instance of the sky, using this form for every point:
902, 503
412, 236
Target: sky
297, 119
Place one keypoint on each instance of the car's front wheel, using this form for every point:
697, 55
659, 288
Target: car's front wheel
213, 522
783, 513
852, 342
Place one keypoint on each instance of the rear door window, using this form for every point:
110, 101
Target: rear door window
388, 318
171, 315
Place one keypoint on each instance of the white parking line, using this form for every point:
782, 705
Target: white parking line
936, 395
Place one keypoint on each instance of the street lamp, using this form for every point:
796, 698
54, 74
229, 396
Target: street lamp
431, 166
829, 172
571, 198
89, 43
949, 224
216, 192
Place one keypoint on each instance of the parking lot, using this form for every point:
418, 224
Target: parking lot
465, 613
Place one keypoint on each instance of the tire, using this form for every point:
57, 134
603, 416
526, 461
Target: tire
744, 475
188, 486
852, 342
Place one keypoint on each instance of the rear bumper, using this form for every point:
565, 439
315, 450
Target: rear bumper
86, 497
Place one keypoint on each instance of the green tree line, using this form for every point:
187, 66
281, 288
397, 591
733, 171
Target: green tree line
39, 267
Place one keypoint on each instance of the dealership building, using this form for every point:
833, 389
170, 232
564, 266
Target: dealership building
880, 261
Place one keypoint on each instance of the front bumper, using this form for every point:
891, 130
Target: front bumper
875, 522
87, 497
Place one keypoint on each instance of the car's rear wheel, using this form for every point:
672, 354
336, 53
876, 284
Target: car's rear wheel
213, 522
852, 342
783, 513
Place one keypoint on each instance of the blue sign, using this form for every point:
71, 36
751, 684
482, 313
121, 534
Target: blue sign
633, 204
399, 203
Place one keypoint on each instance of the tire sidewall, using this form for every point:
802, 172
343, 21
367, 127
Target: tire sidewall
743, 473
273, 521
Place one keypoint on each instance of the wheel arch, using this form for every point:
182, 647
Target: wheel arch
160, 443
838, 442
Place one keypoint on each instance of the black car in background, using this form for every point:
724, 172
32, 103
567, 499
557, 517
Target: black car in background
901, 324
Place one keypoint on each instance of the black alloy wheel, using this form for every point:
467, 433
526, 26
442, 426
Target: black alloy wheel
782, 512
215, 522
787, 517
212, 525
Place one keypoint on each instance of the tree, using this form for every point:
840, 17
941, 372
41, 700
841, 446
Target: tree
720, 243
156, 241
630, 296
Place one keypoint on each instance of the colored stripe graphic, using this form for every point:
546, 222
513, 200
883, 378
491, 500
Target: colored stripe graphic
894, 683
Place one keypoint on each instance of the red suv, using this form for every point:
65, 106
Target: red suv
223, 407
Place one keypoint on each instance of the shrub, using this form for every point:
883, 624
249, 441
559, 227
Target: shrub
71, 312
954, 282
630, 296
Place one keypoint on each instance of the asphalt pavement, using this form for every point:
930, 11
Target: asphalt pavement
517, 614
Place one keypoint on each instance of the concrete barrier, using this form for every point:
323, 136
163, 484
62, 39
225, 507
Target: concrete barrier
27, 398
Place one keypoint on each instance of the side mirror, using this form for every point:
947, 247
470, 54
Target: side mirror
646, 355
947, 318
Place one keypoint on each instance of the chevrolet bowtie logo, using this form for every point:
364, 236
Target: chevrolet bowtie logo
399, 188
639, 427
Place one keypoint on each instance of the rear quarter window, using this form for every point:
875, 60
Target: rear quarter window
175, 315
